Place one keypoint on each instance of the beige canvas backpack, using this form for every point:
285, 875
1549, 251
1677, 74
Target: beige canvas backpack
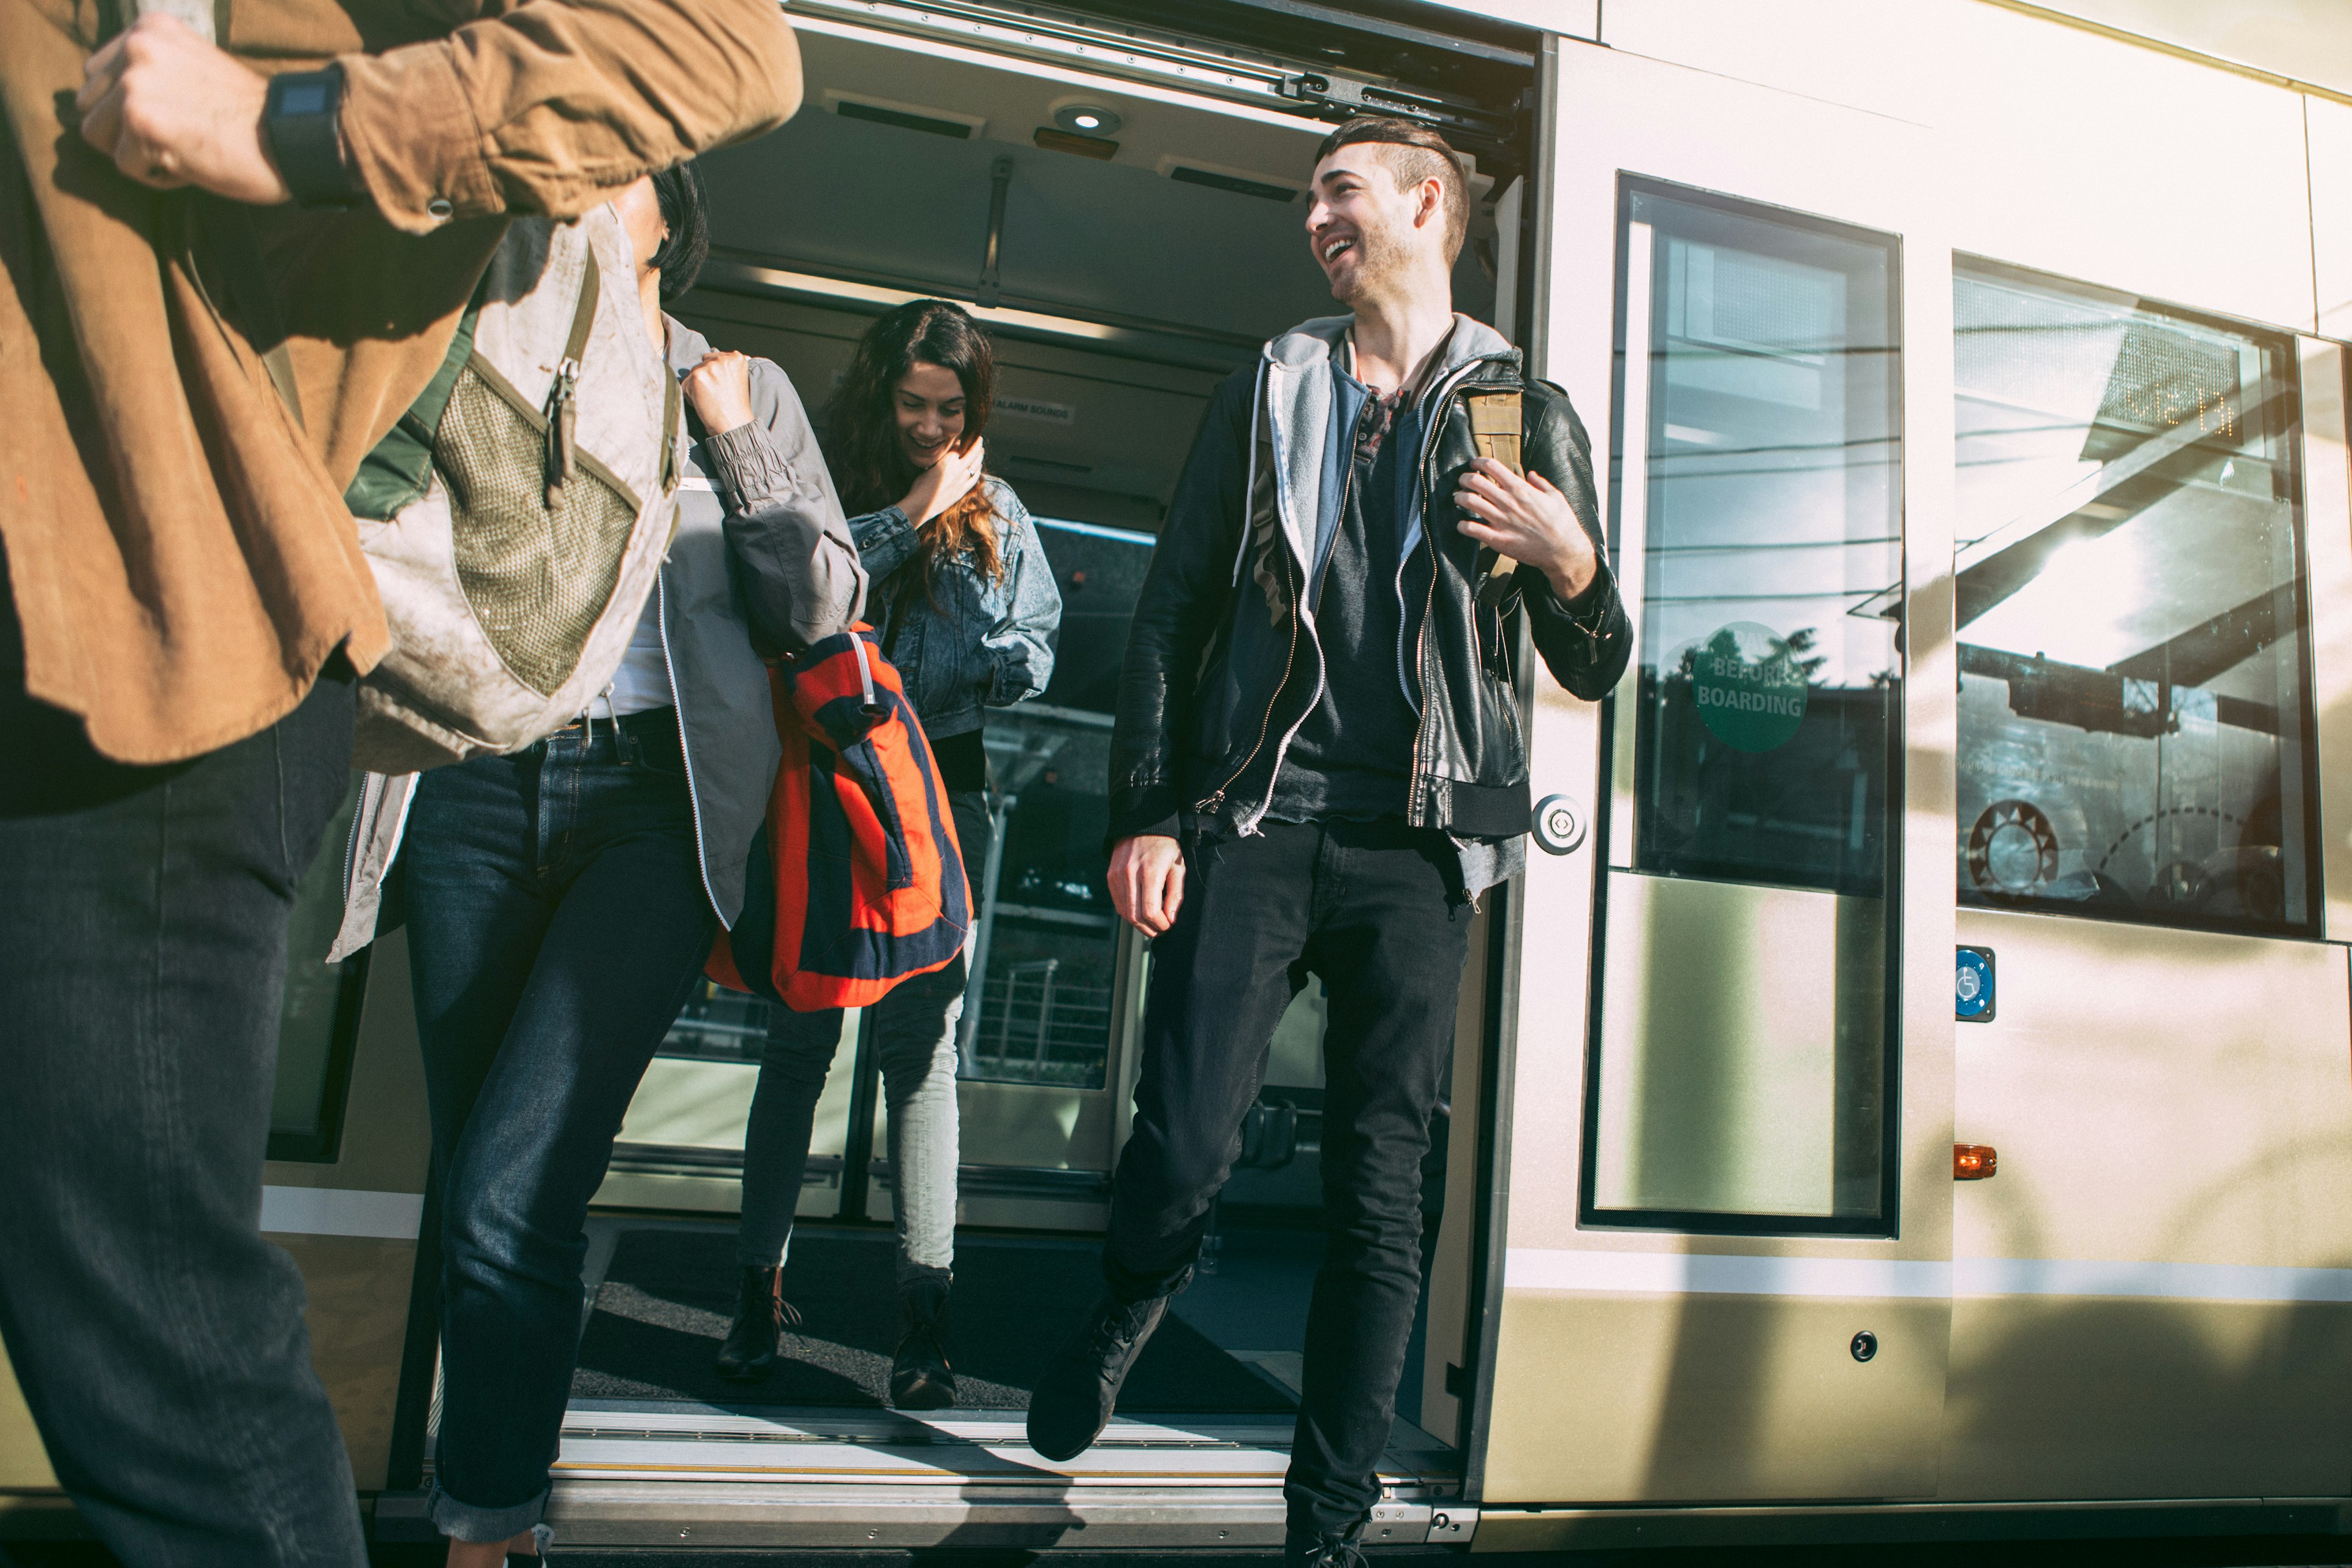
517, 514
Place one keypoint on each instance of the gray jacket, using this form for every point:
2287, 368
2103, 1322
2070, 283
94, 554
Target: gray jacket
761, 561
970, 643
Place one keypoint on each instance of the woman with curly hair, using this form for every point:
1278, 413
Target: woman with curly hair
967, 611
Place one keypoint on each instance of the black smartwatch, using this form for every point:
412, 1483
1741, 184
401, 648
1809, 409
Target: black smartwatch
300, 119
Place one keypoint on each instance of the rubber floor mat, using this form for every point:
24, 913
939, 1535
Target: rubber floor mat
669, 1295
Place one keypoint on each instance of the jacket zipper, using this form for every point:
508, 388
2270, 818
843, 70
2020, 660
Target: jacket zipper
1282, 748
1289, 656
1429, 447
685, 752
1416, 810
352, 844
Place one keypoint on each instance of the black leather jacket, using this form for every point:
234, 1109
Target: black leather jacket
1219, 672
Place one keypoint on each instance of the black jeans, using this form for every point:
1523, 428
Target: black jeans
1373, 908
557, 921
142, 957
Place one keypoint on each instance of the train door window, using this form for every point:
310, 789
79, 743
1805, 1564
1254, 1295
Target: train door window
317, 1021
1039, 1007
1745, 1060
2134, 724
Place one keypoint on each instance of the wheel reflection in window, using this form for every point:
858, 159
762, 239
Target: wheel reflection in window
2134, 733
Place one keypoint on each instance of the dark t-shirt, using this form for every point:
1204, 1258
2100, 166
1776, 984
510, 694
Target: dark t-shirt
1352, 757
963, 761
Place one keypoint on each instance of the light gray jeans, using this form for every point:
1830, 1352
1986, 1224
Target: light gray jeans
915, 1043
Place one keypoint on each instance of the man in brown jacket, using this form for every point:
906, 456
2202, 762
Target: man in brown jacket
236, 236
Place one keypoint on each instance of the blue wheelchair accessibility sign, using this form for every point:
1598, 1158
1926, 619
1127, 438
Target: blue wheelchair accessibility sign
1972, 995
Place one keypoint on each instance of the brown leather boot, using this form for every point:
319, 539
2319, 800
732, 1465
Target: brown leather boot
761, 1316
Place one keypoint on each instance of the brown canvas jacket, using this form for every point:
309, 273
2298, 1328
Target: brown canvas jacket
174, 535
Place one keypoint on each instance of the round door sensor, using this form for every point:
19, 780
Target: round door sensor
1559, 825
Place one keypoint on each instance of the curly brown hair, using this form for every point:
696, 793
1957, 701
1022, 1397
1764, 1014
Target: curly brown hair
862, 427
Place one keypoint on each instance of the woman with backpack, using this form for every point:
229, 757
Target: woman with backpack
967, 612
561, 900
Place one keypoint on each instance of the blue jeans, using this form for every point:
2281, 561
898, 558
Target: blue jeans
556, 923
915, 1046
143, 957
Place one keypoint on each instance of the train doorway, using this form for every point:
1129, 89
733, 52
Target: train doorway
1129, 247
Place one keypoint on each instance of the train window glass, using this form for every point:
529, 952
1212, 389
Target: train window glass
317, 1021
2135, 733
1744, 1062
1039, 1010
1763, 724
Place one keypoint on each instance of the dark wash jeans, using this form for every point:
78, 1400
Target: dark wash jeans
1374, 908
556, 923
159, 1338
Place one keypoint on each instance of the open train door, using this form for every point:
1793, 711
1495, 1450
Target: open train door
1723, 1202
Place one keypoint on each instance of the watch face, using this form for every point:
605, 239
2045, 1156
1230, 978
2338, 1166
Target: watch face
302, 98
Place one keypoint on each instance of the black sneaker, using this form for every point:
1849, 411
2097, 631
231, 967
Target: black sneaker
762, 1315
1327, 1549
920, 1377
1080, 1386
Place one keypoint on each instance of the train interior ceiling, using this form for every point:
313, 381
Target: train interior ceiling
1127, 251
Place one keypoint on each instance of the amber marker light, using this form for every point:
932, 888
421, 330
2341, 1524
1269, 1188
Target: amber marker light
1974, 1162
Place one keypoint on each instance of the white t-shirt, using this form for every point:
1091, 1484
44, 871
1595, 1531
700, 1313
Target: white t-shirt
642, 683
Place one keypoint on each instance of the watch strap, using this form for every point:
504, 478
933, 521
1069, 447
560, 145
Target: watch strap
300, 117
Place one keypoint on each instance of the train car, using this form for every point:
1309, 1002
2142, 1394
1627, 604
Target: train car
1909, 1093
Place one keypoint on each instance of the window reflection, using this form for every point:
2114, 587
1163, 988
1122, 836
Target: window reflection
318, 1020
2133, 742
1048, 942
1768, 658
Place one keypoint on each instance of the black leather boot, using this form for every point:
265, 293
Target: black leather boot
920, 1377
1075, 1398
761, 1316
1325, 1549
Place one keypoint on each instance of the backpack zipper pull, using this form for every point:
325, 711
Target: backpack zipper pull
562, 427
563, 400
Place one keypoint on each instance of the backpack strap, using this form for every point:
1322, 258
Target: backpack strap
1496, 429
399, 469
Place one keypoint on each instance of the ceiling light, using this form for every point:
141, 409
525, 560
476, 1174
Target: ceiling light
1086, 118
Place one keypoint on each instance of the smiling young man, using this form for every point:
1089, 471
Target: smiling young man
1319, 764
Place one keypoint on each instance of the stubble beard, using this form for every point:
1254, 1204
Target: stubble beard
1380, 261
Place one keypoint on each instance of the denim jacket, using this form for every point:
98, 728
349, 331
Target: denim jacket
970, 643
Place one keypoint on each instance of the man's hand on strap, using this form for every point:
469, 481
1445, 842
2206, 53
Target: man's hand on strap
171, 109
1530, 522
1147, 881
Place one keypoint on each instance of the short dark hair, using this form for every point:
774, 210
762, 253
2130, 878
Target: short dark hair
1426, 156
687, 214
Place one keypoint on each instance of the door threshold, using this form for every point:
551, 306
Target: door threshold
650, 1473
